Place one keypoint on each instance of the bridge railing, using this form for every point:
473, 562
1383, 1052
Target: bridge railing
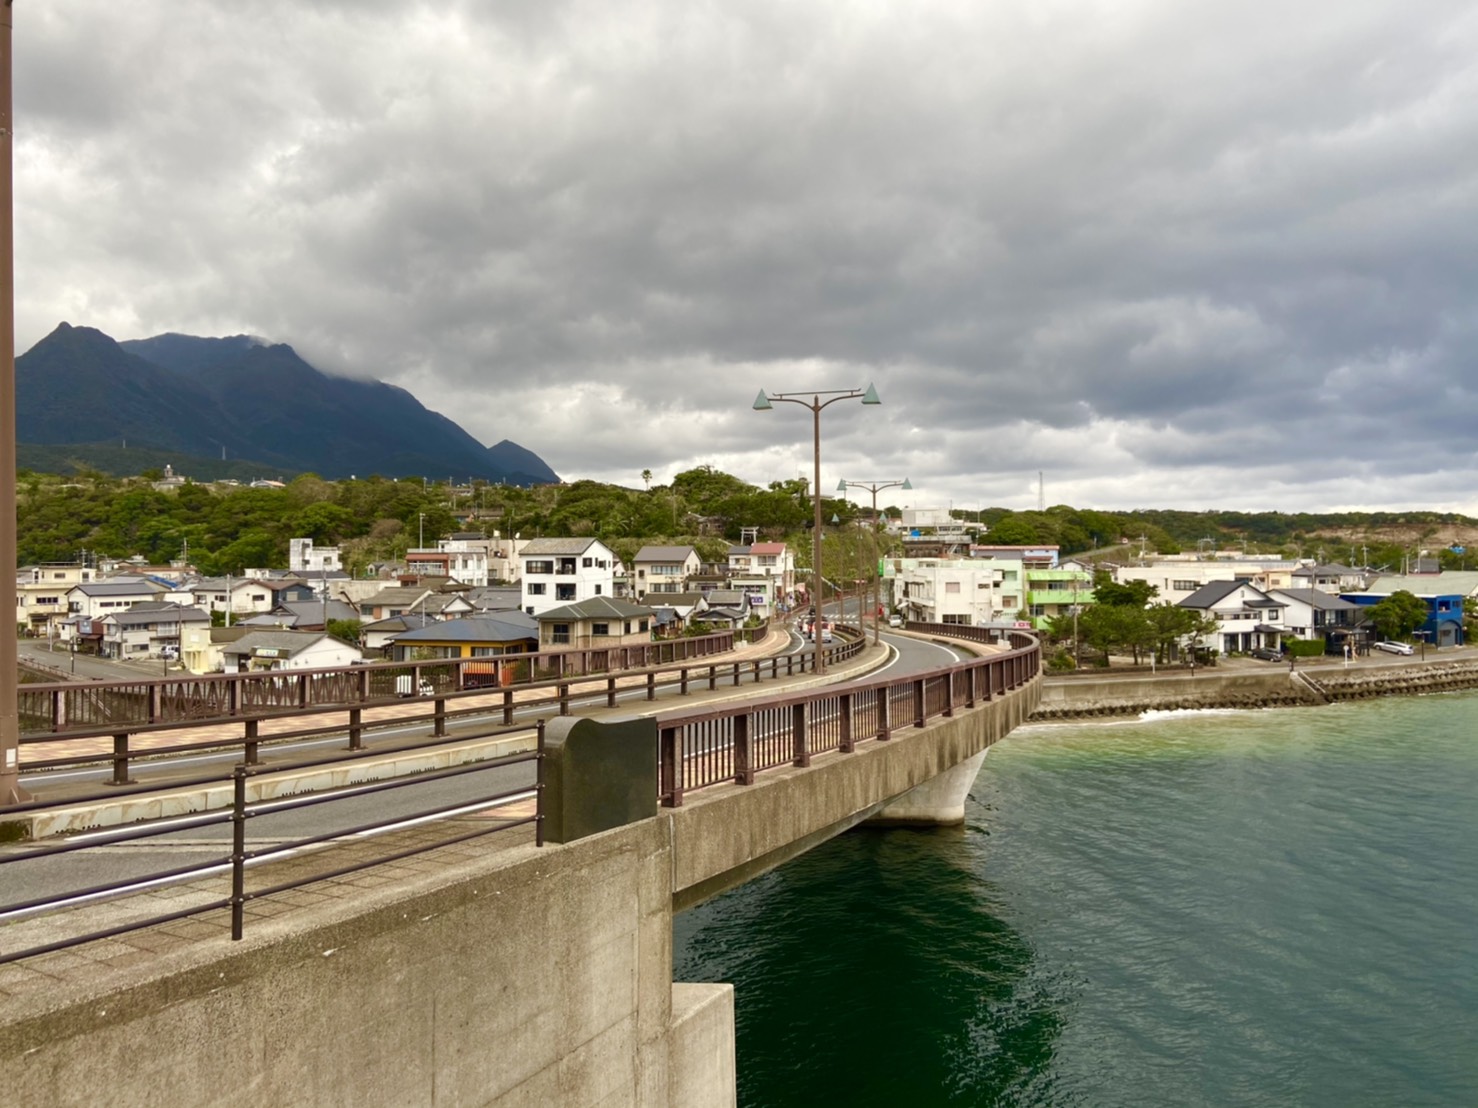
240, 859
99, 706
733, 743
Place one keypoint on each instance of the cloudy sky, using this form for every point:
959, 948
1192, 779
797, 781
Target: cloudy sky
1166, 253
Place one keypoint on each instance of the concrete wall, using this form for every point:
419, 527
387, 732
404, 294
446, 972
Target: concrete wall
521, 976
725, 835
526, 977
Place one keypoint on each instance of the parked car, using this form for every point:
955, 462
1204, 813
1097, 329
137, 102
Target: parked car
895, 620
1266, 654
1395, 647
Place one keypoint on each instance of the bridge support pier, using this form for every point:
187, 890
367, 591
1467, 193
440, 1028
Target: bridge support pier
938, 801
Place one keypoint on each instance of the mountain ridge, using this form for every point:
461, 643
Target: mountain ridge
254, 401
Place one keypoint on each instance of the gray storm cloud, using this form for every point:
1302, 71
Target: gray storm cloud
1171, 255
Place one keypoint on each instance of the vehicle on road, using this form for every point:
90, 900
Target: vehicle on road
1266, 654
1395, 647
895, 620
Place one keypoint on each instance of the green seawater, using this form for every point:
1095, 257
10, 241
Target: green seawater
1242, 908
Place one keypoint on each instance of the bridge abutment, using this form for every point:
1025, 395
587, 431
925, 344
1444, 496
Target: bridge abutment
938, 801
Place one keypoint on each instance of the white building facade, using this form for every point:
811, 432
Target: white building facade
554, 572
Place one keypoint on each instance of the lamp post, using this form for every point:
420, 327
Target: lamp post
875, 487
10, 732
763, 403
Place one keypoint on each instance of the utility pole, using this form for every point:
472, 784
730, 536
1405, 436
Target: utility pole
10, 730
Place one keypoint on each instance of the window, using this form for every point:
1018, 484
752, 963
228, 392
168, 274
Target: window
1183, 586
955, 618
536, 588
586, 563
600, 630
539, 566
559, 634
597, 590
1038, 610
626, 627
487, 651
564, 592
952, 587
566, 567
643, 625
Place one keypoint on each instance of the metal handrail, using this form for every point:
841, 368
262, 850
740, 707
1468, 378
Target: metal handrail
239, 857
731, 744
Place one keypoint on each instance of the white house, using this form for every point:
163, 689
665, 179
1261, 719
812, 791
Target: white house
464, 560
554, 572
663, 569
970, 591
148, 630
304, 557
97, 599
41, 591
1246, 617
262, 650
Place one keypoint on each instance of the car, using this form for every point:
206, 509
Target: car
1266, 654
1395, 647
895, 620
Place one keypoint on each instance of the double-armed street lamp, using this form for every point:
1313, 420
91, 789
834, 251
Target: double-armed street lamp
874, 487
814, 401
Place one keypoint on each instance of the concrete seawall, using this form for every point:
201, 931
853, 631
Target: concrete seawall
1087, 698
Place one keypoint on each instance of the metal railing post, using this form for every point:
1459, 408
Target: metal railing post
250, 743
743, 755
844, 718
564, 698
682, 683
238, 851
356, 729
669, 768
610, 692
539, 789
920, 712
885, 728
799, 745
120, 761
651, 686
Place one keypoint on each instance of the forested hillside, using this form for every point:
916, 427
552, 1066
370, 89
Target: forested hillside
226, 528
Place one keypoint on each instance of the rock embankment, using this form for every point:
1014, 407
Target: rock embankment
1080, 698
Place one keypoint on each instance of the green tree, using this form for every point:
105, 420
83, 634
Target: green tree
1130, 594
1399, 614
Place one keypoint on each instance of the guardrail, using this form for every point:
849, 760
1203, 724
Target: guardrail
237, 862
104, 706
354, 725
734, 743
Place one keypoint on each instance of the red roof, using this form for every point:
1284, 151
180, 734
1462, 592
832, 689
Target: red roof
767, 548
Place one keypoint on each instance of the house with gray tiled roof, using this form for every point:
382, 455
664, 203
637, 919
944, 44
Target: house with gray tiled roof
1246, 616
97, 599
663, 569
1313, 613
554, 572
262, 650
148, 630
474, 637
598, 622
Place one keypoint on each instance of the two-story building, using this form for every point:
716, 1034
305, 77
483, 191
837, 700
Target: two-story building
598, 622
151, 629
306, 559
1246, 617
967, 591
554, 572
462, 558
41, 592
1313, 613
663, 569
97, 599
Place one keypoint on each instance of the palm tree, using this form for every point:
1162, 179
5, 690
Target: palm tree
646, 476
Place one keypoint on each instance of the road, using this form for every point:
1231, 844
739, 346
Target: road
107, 863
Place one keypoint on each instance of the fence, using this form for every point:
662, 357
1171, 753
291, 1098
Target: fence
732, 744
240, 858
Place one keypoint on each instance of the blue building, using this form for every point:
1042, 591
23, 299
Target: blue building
1444, 623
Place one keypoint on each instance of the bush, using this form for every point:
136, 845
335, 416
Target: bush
1062, 660
1305, 648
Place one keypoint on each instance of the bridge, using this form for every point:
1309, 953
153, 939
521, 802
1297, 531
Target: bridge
527, 958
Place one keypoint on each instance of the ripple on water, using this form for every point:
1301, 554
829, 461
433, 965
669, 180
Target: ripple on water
1227, 908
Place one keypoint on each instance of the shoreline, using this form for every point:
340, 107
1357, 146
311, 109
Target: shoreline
1111, 696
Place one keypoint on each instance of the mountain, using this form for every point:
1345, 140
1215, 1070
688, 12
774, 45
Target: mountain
246, 400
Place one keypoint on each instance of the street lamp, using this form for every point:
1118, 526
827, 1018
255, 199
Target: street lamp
763, 403
875, 487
